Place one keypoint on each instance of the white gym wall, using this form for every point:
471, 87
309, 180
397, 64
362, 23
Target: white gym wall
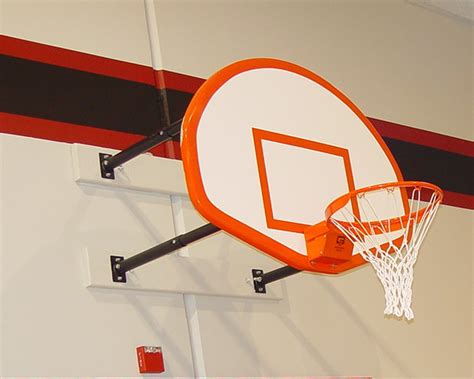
395, 60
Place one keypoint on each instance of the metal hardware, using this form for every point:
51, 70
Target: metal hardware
257, 281
115, 261
108, 162
159, 251
106, 171
261, 279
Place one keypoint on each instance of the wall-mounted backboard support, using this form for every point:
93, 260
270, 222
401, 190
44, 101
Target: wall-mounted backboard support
181, 275
261, 278
108, 163
120, 266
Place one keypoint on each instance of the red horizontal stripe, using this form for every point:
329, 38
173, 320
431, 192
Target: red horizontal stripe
454, 199
76, 60
190, 84
72, 133
422, 137
178, 82
186, 83
458, 200
162, 79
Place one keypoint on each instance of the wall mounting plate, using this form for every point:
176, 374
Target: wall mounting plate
183, 275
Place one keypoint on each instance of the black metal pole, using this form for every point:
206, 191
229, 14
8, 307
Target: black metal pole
261, 279
164, 248
109, 163
278, 274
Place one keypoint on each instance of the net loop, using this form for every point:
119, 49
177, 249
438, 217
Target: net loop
387, 224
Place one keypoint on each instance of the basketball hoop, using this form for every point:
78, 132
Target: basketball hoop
387, 224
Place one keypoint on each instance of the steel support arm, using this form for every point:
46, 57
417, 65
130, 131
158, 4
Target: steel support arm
109, 162
121, 266
261, 279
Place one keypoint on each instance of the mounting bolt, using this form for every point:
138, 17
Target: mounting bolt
174, 242
115, 266
258, 283
106, 169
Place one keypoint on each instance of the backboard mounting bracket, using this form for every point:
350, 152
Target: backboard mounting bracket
106, 171
261, 279
258, 284
108, 163
120, 266
116, 275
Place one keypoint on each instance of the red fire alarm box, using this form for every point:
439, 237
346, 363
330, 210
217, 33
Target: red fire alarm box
150, 360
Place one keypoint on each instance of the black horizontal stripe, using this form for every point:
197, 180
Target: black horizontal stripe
56, 93
451, 172
61, 94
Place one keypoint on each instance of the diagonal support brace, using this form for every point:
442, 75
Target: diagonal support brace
108, 163
121, 266
261, 279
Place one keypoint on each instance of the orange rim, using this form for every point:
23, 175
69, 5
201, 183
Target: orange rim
392, 224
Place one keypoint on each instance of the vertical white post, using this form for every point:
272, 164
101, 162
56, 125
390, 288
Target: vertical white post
190, 305
153, 37
176, 204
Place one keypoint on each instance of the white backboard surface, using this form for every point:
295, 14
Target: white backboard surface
315, 145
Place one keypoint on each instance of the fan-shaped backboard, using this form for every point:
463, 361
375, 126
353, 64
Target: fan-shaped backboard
266, 146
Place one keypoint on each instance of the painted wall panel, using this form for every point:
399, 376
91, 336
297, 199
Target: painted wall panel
396, 61
324, 326
52, 325
109, 28
335, 325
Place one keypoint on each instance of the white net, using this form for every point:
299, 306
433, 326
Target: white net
387, 227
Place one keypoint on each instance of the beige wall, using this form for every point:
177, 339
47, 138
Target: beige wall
396, 61
109, 28
322, 326
51, 325
335, 326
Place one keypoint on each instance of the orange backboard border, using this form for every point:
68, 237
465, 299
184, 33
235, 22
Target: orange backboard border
192, 171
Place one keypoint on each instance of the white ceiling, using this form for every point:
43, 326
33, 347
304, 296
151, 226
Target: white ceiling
463, 9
